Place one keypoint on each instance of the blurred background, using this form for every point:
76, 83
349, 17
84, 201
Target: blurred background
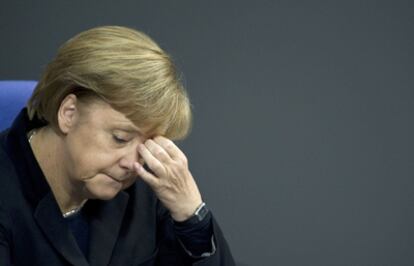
303, 135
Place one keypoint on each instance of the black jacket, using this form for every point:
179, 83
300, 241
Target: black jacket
131, 229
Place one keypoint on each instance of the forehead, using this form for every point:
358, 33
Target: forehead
101, 114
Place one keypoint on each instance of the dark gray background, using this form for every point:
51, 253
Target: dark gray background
303, 136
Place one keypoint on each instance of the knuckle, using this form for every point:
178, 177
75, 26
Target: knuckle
180, 164
169, 145
184, 160
159, 153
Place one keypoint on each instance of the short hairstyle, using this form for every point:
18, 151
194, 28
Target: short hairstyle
123, 67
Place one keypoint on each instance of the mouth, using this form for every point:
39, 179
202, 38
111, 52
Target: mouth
113, 178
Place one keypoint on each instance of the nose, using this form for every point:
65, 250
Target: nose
128, 158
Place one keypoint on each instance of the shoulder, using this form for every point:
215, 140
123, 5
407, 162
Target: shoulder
5, 162
7, 169
9, 181
7, 185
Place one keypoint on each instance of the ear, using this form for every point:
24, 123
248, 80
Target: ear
68, 113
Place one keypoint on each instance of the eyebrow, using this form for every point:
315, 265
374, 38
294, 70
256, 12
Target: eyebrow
129, 129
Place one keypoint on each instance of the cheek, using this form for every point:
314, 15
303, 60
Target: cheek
91, 163
90, 157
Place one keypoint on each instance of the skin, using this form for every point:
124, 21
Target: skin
99, 152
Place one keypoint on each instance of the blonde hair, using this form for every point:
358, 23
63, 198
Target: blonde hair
123, 67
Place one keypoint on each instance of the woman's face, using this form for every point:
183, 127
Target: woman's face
100, 147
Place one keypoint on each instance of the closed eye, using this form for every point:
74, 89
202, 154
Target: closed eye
119, 140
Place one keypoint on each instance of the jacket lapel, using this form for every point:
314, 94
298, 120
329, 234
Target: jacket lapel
50, 220
105, 223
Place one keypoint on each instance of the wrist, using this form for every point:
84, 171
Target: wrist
198, 215
185, 212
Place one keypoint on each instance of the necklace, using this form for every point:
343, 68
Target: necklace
73, 211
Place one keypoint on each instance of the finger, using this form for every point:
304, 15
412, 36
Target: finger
146, 176
169, 146
154, 164
157, 151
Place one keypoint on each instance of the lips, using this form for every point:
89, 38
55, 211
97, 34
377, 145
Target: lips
113, 178
122, 178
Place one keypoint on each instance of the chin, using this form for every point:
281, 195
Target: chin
105, 196
103, 187
103, 192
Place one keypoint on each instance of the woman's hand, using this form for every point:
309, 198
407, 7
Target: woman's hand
170, 179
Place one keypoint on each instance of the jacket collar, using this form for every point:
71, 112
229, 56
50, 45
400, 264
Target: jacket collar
105, 217
49, 218
34, 184
105, 223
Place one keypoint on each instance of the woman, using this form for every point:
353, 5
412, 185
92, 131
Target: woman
90, 175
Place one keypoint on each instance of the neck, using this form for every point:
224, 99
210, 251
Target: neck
48, 150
